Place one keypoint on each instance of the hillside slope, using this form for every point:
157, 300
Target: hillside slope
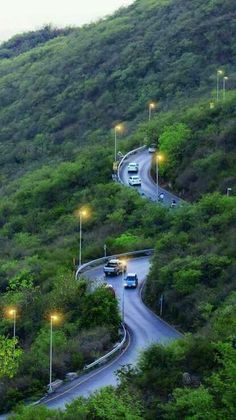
73, 88
198, 147
59, 101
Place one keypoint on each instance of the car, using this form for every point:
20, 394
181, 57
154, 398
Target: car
133, 167
134, 180
131, 281
152, 148
114, 267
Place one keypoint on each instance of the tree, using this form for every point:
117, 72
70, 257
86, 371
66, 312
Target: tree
10, 357
104, 405
38, 412
190, 404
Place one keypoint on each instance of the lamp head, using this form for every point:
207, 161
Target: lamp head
152, 105
159, 157
119, 128
12, 312
54, 317
82, 212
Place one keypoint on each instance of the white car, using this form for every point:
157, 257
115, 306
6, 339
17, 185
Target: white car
134, 180
133, 167
114, 267
152, 148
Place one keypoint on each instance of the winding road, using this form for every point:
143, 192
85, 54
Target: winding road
143, 326
148, 186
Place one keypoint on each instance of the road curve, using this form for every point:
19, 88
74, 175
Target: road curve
143, 326
148, 187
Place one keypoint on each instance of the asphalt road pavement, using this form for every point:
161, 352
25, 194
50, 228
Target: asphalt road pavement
148, 187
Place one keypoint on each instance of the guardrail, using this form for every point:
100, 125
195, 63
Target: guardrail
104, 259
132, 152
106, 356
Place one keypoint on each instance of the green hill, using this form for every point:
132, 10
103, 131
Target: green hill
72, 89
197, 144
61, 93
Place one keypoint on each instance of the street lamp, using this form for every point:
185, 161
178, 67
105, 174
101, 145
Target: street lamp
159, 158
118, 129
105, 250
53, 318
219, 73
225, 78
124, 263
151, 107
161, 304
12, 314
228, 191
82, 213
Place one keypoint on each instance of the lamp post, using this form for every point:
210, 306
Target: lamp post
158, 158
161, 304
52, 318
12, 313
219, 73
123, 293
81, 214
225, 78
228, 191
151, 107
118, 129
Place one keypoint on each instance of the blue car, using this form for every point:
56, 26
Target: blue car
131, 281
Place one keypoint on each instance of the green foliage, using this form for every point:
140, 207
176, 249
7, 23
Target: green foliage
193, 262
38, 412
171, 144
82, 86
101, 309
160, 380
191, 404
22, 280
223, 381
128, 242
24, 42
61, 92
106, 404
198, 146
10, 356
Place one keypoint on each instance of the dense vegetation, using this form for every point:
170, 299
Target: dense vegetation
198, 145
73, 88
24, 42
194, 263
61, 93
